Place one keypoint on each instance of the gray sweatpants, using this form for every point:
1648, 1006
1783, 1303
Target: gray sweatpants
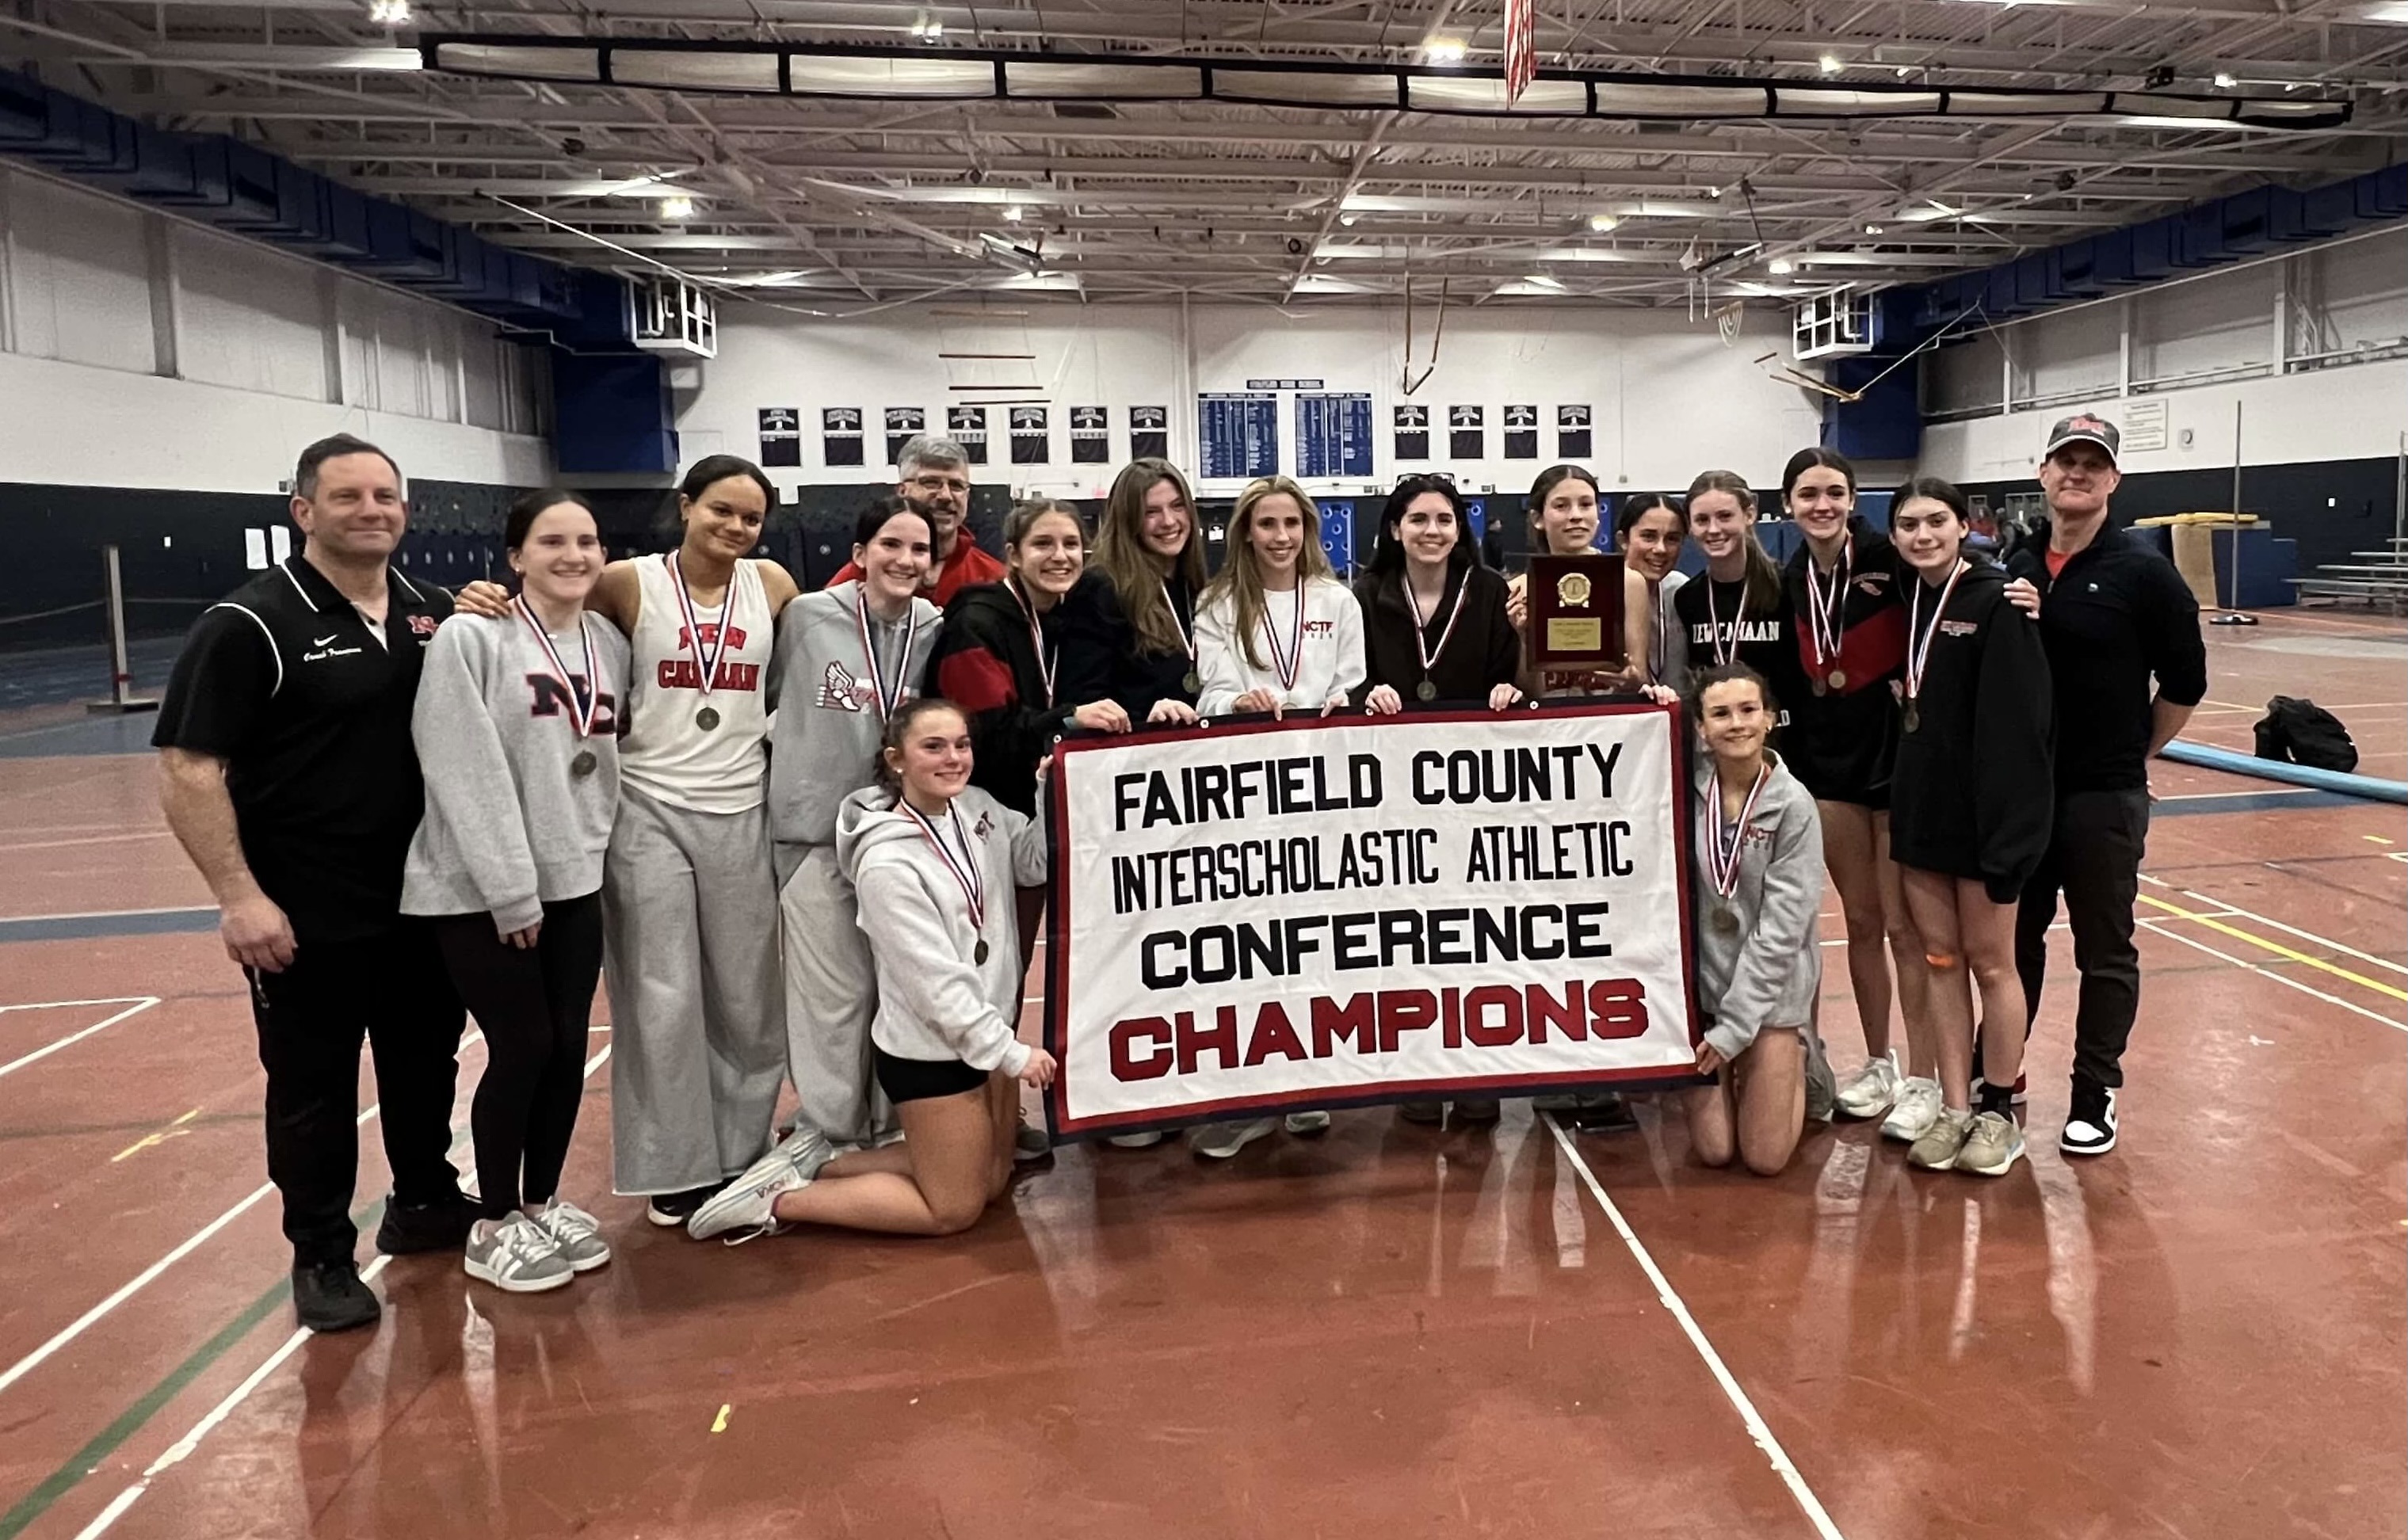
831, 994
690, 928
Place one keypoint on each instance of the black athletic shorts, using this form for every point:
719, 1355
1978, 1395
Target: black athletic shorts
918, 1079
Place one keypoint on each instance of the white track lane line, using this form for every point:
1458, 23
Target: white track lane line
143, 1004
190, 1244
2158, 927
1782, 1464
183, 1449
62, 1004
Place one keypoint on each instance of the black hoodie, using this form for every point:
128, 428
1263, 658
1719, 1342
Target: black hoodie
985, 663
1971, 794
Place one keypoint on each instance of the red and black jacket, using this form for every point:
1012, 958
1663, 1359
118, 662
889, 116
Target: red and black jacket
1842, 742
985, 663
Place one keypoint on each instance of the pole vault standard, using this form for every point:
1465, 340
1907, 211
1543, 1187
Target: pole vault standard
121, 666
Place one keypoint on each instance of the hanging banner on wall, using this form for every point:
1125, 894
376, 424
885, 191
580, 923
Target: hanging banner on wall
1520, 433
1273, 916
903, 424
1333, 434
966, 426
1091, 435
782, 435
1412, 433
1467, 437
840, 436
1149, 432
1032, 441
1572, 437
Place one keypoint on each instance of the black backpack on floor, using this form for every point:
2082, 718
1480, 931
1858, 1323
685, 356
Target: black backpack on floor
2301, 732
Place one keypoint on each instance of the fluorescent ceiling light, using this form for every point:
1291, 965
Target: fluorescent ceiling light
1444, 51
1934, 209
1602, 223
1529, 289
677, 207
1541, 281
1592, 254
2145, 120
1065, 282
1321, 283
2392, 12
1831, 65
395, 59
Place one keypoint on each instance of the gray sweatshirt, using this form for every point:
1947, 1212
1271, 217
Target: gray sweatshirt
936, 1001
1766, 973
824, 744
507, 825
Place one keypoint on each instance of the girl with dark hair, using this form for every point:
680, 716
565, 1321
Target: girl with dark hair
1845, 590
1739, 612
689, 901
847, 660
926, 849
1758, 848
517, 730
1434, 625
1648, 529
1563, 511
1973, 804
1434, 629
1150, 554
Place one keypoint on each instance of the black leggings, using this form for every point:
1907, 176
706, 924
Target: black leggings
534, 1005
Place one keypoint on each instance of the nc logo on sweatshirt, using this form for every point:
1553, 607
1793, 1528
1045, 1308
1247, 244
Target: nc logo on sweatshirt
550, 700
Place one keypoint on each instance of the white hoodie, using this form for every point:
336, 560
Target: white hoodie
934, 1000
1332, 663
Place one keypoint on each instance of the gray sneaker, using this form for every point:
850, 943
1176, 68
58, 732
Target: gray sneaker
1941, 1144
515, 1255
1918, 1102
1145, 1140
1219, 1141
1307, 1123
1992, 1147
578, 1234
750, 1203
1030, 1142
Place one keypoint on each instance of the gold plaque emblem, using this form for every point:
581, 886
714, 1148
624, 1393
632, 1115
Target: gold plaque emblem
1572, 589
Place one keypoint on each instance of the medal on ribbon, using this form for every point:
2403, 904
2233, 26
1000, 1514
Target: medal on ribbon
1825, 618
890, 695
1722, 847
1047, 662
1919, 638
964, 865
707, 662
1426, 689
1194, 681
581, 709
1290, 665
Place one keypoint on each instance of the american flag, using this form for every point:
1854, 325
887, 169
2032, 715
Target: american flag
1521, 47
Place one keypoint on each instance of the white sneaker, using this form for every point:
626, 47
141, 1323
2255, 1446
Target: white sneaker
1219, 1141
750, 1203
1916, 1108
806, 1149
1307, 1123
516, 1255
578, 1233
1146, 1140
1869, 1092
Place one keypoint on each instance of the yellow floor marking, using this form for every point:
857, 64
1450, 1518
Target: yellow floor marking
173, 1131
719, 1423
2377, 838
2274, 946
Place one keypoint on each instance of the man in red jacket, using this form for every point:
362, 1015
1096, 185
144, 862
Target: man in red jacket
936, 484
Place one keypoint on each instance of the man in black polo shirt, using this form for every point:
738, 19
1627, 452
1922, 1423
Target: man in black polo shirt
288, 772
2114, 616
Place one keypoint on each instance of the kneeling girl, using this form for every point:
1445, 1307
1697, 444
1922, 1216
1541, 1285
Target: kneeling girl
1760, 849
935, 862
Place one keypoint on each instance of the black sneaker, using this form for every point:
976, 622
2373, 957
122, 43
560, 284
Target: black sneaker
1478, 1114
670, 1210
439, 1226
1423, 1114
2090, 1121
1602, 1112
328, 1297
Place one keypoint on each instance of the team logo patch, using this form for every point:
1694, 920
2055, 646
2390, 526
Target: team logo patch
421, 626
839, 691
985, 826
1959, 628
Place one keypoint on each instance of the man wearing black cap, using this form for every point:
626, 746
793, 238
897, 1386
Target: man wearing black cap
2115, 616
288, 772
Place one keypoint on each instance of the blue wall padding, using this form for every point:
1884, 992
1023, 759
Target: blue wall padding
2372, 789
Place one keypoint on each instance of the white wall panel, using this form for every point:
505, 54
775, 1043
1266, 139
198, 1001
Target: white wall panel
2211, 324
2073, 353
248, 317
2362, 288
80, 281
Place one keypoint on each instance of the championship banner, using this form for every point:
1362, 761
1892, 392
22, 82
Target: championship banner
1260, 916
